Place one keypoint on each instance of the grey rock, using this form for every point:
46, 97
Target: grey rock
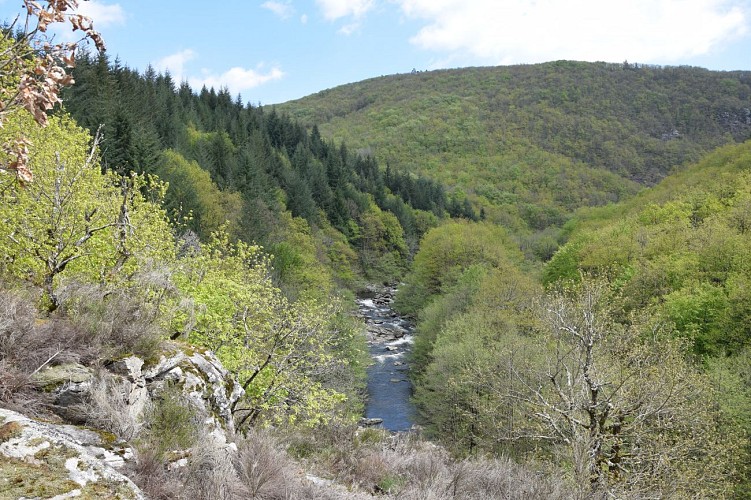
62, 454
368, 422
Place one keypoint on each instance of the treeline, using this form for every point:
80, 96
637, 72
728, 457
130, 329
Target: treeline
270, 178
626, 362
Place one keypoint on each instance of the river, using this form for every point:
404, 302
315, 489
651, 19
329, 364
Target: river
389, 340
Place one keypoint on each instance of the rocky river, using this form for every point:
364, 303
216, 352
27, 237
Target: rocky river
390, 339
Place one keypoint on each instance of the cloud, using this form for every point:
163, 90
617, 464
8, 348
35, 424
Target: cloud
350, 28
175, 64
237, 79
304, 19
523, 31
337, 9
101, 13
284, 10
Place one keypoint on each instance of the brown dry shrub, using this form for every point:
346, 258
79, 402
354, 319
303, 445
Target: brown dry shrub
265, 470
408, 468
29, 343
149, 472
117, 321
210, 473
107, 408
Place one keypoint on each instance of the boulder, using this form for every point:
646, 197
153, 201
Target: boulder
369, 422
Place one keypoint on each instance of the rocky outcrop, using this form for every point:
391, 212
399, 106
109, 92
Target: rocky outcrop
58, 461
198, 375
51, 460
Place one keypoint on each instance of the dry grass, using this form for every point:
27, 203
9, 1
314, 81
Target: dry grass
262, 467
93, 325
149, 472
107, 409
406, 467
29, 343
115, 321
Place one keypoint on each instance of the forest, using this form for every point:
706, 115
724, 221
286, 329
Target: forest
570, 239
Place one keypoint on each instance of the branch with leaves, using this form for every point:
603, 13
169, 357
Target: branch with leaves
35, 69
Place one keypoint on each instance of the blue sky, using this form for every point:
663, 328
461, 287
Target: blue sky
272, 51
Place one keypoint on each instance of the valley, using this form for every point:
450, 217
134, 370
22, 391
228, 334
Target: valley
524, 281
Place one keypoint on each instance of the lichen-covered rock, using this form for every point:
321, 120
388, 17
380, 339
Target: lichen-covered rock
198, 375
69, 385
42, 460
203, 381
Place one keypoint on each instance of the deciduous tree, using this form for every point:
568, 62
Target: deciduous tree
34, 68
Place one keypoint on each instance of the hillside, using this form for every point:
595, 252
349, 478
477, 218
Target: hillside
531, 143
317, 207
635, 345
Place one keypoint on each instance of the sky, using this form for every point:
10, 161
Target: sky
272, 51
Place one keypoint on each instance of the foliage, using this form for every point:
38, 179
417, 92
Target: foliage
74, 219
532, 143
35, 69
677, 249
278, 350
557, 377
445, 253
194, 199
226, 161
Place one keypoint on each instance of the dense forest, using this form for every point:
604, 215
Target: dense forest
571, 240
532, 143
227, 162
629, 358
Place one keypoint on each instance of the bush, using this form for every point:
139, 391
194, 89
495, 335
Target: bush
117, 321
107, 409
28, 344
171, 424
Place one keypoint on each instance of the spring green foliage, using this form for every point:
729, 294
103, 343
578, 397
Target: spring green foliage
679, 249
446, 252
532, 143
279, 350
613, 373
299, 361
73, 219
589, 375
619, 406
194, 199
277, 183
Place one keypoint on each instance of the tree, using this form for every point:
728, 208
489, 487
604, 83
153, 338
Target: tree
279, 350
34, 69
73, 215
194, 199
619, 401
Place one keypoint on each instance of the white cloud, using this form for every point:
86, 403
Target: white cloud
523, 31
284, 10
175, 64
101, 13
237, 79
336, 9
304, 19
348, 29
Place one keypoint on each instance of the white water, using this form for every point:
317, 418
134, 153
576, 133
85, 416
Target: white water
389, 387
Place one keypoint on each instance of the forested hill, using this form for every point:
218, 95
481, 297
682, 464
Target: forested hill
273, 181
530, 143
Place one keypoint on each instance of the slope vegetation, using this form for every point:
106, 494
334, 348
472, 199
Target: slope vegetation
531, 143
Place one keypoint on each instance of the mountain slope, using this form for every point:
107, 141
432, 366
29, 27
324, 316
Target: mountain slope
532, 143
680, 248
